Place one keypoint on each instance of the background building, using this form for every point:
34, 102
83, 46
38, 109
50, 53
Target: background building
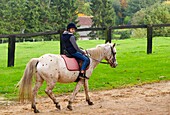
84, 22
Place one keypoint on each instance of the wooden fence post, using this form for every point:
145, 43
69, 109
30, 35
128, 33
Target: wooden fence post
11, 51
149, 39
61, 46
108, 35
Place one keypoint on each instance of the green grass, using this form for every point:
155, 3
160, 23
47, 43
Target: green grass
135, 66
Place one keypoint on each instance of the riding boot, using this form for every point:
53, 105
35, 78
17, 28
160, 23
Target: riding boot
83, 76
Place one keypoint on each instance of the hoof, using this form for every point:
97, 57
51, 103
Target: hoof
90, 103
70, 107
58, 106
36, 111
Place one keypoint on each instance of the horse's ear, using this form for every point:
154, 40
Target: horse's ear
106, 42
114, 44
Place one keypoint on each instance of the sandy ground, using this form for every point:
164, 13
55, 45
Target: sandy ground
149, 99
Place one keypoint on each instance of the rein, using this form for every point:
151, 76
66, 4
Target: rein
88, 55
99, 61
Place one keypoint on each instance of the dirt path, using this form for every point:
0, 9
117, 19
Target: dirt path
149, 99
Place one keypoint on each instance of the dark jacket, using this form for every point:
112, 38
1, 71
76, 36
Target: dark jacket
69, 43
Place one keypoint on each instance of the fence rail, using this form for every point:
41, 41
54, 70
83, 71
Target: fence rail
12, 37
29, 34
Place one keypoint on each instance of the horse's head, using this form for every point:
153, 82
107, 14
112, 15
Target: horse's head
110, 54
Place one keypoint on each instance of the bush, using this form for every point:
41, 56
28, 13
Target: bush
125, 34
161, 31
139, 33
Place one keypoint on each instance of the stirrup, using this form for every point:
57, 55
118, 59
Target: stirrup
82, 76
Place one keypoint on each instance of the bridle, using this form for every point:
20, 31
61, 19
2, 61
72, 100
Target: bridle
113, 54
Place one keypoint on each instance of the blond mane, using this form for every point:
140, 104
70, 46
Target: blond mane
97, 52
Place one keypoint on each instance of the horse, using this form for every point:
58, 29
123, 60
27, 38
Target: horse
52, 68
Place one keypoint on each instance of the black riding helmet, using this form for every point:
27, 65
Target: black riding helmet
71, 25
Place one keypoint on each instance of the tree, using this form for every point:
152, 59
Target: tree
11, 19
120, 7
31, 16
80, 4
137, 5
48, 16
155, 14
67, 12
83, 7
25, 16
103, 14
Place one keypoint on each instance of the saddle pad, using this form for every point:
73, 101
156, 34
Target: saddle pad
71, 63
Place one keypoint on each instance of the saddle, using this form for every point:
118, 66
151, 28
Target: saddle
72, 64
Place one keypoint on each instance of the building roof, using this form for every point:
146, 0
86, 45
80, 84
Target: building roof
85, 20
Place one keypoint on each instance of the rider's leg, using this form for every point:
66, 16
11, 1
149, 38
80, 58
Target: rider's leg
85, 60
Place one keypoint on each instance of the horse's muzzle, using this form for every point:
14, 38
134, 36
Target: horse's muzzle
113, 65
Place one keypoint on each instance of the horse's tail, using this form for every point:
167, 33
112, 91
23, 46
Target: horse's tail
25, 84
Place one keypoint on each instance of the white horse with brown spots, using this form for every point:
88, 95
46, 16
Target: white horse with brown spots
51, 68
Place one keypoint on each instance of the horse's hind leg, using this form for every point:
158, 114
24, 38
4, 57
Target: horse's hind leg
38, 84
76, 90
48, 91
86, 88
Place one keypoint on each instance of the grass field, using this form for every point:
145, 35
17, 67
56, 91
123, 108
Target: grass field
135, 66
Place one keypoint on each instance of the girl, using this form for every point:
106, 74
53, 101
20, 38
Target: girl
70, 45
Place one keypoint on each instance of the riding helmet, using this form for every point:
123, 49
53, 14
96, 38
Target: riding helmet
71, 25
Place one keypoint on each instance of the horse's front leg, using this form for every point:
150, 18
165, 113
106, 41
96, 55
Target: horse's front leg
72, 97
86, 88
